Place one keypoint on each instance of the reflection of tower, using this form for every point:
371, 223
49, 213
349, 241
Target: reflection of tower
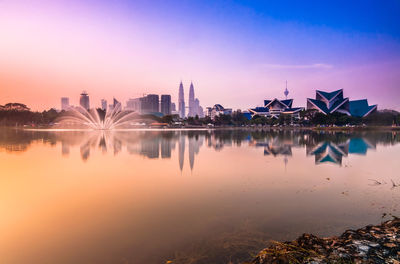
286, 91
181, 102
194, 147
64, 148
165, 148
150, 148
85, 151
103, 144
192, 108
285, 160
181, 150
117, 146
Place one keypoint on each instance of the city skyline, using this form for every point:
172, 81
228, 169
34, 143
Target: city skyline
236, 51
147, 104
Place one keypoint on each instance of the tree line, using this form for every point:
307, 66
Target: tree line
20, 115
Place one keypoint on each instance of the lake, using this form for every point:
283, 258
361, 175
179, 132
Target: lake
186, 196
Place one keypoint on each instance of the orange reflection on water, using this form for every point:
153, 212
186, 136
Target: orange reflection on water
128, 202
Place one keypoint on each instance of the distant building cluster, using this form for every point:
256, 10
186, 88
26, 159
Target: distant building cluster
147, 104
324, 102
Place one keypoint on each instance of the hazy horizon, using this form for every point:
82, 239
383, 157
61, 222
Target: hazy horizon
236, 53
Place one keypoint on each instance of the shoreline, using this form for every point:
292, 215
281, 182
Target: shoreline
370, 244
288, 128
204, 128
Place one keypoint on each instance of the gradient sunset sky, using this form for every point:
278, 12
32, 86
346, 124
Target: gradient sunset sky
237, 53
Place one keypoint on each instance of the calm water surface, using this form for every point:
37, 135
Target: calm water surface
186, 196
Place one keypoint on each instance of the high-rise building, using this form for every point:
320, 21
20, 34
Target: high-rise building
117, 105
104, 104
64, 103
173, 107
84, 100
134, 105
166, 104
150, 104
181, 102
198, 109
192, 107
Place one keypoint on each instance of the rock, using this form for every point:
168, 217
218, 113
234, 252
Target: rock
371, 244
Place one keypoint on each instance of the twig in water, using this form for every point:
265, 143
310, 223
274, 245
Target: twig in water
375, 182
394, 185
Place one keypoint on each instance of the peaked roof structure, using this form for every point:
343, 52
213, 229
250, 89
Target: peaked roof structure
275, 107
286, 103
360, 108
331, 95
331, 102
259, 110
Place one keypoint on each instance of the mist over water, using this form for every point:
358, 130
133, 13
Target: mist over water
210, 196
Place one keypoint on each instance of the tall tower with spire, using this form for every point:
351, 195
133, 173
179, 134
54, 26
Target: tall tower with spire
192, 107
181, 102
286, 91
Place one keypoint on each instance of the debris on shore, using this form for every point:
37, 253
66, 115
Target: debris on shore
371, 244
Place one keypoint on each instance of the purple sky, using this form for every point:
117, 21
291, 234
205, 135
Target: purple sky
237, 54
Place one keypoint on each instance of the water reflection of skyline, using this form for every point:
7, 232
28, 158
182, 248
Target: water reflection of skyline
329, 152
325, 147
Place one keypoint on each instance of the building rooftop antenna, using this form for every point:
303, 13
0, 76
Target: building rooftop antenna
286, 91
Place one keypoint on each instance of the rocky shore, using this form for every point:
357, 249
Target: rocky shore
371, 244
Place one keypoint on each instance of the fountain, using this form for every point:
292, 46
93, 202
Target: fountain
98, 119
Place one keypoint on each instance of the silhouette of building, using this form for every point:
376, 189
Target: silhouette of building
84, 100
166, 104
274, 108
194, 104
117, 105
334, 102
199, 109
173, 107
181, 102
64, 103
150, 104
134, 105
192, 108
218, 110
104, 104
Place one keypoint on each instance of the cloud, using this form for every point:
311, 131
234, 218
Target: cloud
299, 66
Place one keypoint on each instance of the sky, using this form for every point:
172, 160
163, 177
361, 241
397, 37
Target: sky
236, 53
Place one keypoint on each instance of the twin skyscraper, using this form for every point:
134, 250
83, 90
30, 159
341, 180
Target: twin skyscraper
194, 104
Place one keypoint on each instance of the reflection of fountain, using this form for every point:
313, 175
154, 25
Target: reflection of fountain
98, 119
